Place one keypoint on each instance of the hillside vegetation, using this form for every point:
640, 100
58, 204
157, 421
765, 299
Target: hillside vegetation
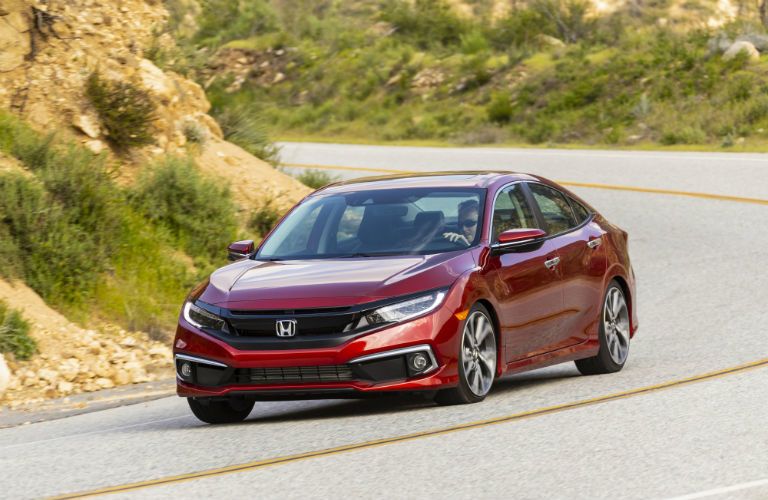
89, 246
545, 71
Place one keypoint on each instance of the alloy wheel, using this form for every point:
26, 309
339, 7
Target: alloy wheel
479, 353
616, 325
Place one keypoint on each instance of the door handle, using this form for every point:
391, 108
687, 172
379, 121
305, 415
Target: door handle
594, 243
552, 263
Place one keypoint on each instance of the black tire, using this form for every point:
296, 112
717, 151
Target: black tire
220, 411
604, 362
463, 393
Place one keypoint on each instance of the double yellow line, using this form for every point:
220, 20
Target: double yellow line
613, 187
259, 464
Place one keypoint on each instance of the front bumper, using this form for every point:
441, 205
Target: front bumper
381, 361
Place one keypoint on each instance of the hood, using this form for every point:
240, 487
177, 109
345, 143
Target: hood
294, 284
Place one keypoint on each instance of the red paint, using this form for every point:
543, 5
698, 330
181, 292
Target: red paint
520, 235
544, 316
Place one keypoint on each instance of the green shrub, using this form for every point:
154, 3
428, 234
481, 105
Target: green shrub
10, 262
474, 42
426, 22
198, 213
68, 232
264, 217
567, 20
126, 111
225, 20
246, 128
316, 178
500, 108
518, 29
14, 334
683, 135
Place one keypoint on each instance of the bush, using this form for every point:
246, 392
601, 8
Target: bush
426, 22
245, 127
316, 178
683, 135
11, 266
474, 42
126, 111
564, 19
518, 29
67, 230
14, 334
195, 133
198, 213
264, 217
62, 221
225, 20
500, 108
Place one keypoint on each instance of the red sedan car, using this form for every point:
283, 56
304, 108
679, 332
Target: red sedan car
435, 282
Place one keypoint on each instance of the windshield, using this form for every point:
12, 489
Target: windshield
385, 222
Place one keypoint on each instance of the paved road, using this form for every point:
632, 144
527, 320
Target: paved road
702, 293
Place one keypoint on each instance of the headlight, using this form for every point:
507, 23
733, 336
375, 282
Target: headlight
405, 310
200, 318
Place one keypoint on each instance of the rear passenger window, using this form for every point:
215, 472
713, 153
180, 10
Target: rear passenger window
511, 211
554, 208
579, 211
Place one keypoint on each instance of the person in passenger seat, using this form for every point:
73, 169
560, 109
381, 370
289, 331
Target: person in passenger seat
468, 214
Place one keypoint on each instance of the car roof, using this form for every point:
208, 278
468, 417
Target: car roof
460, 179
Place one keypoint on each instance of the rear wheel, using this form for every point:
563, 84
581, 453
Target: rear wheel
477, 360
613, 335
220, 411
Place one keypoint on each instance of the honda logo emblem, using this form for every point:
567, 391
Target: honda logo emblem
285, 327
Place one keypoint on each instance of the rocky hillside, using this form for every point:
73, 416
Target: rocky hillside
50, 51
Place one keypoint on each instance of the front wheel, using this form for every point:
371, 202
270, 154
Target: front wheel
477, 360
613, 335
220, 411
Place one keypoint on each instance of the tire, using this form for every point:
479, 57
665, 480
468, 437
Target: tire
477, 360
220, 411
613, 335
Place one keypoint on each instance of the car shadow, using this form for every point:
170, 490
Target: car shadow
327, 409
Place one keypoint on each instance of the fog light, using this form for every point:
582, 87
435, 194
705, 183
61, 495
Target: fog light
419, 361
186, 370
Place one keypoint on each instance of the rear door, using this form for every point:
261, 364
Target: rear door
584, 266
529, 293
578, 242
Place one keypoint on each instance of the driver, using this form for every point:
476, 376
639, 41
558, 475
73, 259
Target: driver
468, 213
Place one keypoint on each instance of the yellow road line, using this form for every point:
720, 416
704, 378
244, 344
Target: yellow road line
410, 437
690, 194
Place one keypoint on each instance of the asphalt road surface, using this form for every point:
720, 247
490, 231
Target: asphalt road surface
686, 418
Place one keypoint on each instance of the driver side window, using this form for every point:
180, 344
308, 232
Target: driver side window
511, 211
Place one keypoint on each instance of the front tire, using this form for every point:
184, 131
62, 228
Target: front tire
477, 360
220, 411
613, 335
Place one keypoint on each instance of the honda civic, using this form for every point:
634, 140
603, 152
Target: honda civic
439, 283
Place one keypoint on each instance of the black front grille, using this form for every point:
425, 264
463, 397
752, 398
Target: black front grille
308, 323
328, 373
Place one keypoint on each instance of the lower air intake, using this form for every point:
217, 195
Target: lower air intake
328, 373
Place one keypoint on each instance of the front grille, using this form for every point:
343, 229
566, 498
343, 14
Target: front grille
328, 373
259, 324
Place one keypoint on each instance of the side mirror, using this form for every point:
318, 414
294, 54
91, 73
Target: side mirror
240, 250
520, 236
